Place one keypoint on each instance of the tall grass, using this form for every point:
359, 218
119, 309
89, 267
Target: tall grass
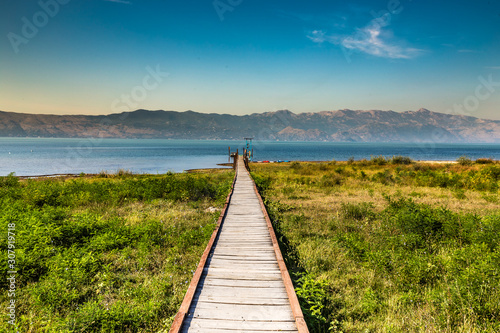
391, 248
111, 254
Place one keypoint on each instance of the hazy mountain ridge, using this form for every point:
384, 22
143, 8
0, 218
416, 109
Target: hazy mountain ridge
340, 125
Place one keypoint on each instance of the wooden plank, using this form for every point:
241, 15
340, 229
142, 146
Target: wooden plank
259, 284
233, 244
261, 326
245, 226
244, 245
269, 266
259, 276
254, 269
243, 300
220, 262
252, 256
250, 231
253, 274
218, 330
241, 312
234, 251
240, 290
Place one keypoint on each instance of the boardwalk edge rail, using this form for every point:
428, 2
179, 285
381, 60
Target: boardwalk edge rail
188, 298
292, 297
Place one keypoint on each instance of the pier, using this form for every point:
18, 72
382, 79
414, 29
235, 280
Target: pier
242, 283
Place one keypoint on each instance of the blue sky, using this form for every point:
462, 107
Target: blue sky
242, 56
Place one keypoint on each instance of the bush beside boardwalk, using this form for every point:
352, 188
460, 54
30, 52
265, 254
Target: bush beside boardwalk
389, 246
111, 253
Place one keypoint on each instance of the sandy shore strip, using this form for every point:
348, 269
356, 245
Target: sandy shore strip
223, 166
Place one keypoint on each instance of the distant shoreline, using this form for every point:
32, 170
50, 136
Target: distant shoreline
224, 166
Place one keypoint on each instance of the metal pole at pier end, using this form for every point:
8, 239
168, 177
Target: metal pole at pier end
249, 149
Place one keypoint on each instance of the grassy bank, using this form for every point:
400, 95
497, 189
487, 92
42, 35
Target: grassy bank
389, 245
106, 253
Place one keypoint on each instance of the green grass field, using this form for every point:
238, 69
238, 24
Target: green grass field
105, 253
388, 245
372, 246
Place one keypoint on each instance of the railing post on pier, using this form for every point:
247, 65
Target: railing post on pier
245, 160
235, 160
234, 156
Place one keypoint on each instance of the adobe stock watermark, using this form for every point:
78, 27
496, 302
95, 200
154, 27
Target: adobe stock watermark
483, 91
30, 28
486, 87
223, 6
11, 274
276, 123
140, 92
128, 101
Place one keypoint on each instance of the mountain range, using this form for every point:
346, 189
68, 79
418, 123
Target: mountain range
341, 125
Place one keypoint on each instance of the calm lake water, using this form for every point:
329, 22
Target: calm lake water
40, 156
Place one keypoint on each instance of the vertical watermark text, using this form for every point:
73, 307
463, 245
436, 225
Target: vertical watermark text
11, 273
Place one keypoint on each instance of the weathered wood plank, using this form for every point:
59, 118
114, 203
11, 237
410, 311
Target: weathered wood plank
239, 266
260, 284
241, 312
253, 256
230, 275
257, 301
241, 292
261, 326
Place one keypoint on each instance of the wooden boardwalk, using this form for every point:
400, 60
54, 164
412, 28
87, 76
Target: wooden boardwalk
241, 284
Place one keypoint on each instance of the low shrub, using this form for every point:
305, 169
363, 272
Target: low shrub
405, 160
330, 180
9, 181
464, 161
384, 177
357, 211
313, 296
378, 160
484, 161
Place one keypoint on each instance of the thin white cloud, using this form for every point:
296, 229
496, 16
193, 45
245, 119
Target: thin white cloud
120, 1
317, 36
371, 39
374, 41
493, 67
467, 51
